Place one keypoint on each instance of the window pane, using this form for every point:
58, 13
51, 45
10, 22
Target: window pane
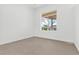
48, 21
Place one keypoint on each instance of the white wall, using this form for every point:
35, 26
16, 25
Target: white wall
77, 26
21, 21
16, 22
65, 23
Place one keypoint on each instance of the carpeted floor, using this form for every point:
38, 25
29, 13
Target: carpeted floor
38, 46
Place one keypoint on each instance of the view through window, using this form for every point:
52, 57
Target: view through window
48, 21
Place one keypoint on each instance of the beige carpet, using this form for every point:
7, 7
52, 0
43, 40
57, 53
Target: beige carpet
38, 46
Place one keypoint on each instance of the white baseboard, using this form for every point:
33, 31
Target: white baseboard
54, 39
77, 46
6, 42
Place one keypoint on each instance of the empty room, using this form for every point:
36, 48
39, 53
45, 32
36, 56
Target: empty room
39, 29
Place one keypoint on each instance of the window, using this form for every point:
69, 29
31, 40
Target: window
48, 21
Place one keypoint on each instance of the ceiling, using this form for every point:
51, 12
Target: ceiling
36, 5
